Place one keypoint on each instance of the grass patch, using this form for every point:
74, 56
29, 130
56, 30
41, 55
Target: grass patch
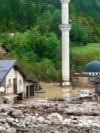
84, 49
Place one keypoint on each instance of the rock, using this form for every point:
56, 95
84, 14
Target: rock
15, 124
32, 126
5, 114
9, 120
95, 124
34, 119
66, 121
16, 120
95, 131
47, 122
27, 122
2, 129
85, 124
7, 125
89, 122
11, 130
36, 114
3, 120
55, 118
41, 119
16, 113
22, 125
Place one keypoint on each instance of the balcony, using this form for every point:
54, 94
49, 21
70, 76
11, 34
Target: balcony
65, 26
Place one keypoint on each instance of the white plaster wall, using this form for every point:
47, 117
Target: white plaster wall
20, 87
11, 75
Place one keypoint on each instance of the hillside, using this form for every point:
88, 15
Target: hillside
30, 30
88, 9
80, 56
21, 15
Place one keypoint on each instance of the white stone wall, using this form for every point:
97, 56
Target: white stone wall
10, 76
20, 82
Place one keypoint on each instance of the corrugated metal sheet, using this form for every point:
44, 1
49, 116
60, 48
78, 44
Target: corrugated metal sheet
5, 66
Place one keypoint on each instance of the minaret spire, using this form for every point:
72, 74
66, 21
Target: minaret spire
65, 28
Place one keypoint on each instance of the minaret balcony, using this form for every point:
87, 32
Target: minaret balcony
65, 26
64, 1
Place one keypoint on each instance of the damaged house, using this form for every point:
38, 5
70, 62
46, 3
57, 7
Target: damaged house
13, 83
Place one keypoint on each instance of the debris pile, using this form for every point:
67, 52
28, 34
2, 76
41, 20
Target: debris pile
50, 116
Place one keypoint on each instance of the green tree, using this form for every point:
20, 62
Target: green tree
79, 34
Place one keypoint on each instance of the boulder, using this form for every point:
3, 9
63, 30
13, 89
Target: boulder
55, 118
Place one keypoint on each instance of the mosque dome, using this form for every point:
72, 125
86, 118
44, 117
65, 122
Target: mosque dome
92, 68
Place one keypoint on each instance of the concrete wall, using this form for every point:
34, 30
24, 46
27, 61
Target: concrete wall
82, 81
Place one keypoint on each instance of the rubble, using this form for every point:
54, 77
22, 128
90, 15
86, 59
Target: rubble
50, 116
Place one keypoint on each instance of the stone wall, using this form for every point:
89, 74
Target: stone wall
82, 81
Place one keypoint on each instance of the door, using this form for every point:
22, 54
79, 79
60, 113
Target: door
15, 85
27, 92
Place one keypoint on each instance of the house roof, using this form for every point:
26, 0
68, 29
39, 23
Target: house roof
17, 68
24, 76
5, 67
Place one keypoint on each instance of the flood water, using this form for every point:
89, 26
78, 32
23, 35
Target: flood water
54, 90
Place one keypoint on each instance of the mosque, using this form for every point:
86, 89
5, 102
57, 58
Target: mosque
89, 77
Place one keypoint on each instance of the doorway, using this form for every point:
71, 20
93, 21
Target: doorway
15, 85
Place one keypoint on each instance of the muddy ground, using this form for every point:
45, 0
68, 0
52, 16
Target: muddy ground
65, 115
64, 98
58, 110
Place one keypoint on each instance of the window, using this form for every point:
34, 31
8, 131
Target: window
20, 82
9, 82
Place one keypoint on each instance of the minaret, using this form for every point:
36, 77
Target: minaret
65, 28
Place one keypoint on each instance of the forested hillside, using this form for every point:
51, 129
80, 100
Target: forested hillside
30, 30
20, 15
86, 14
